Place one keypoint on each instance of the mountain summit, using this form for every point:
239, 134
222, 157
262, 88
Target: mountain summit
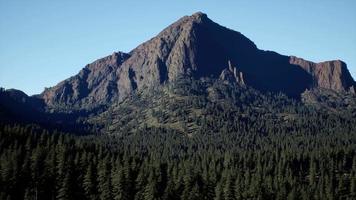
194, 46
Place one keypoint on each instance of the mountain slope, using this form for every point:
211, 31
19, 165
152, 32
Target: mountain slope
190, 107
95, 84
194, 46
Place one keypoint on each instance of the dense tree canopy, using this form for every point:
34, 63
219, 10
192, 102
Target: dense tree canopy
184, 143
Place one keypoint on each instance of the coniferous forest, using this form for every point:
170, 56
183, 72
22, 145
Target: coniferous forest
181, 143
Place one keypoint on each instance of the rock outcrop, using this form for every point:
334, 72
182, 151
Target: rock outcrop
232, 75
332, 75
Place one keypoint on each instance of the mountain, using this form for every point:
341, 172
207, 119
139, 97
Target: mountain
197, 47
194, 58
197, 112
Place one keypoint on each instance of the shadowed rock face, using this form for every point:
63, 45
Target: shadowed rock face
197, 47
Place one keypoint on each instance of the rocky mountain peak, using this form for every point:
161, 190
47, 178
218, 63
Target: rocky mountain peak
199, 17
194, 46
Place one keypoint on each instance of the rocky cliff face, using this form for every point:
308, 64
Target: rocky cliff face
332, 75
93, 85
197, 47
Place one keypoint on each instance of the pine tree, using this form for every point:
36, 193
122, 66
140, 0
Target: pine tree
238, 189
104, 180
61, 167
195, 193
228, 189
312, 173
219, 195
292, 195
330, 186
89, 183
150, 190
118, 185
66, 189
170, 191
353, 185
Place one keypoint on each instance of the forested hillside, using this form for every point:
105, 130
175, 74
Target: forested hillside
190, 140
162, 164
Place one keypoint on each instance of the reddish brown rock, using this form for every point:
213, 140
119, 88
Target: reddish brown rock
332, 75
95, 84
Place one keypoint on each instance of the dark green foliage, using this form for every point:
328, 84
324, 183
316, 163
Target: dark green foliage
191, 170
237, 144
89, 183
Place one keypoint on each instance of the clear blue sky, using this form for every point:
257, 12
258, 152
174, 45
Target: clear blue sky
44, 42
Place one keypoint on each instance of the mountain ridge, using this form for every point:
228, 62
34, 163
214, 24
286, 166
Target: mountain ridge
193, 46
